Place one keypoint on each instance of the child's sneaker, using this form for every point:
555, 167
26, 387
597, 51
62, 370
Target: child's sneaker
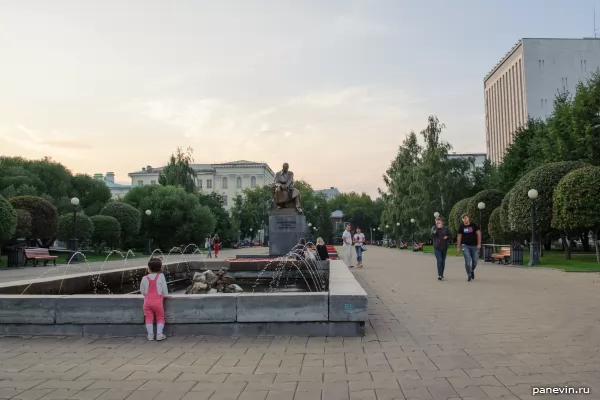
160, 337
150, 337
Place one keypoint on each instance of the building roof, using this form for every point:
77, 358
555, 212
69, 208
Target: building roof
206, 167
467, 154
337, 214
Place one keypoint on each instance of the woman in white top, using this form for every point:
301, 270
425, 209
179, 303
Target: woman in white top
359, 240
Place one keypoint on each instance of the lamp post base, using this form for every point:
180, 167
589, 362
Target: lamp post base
534, 254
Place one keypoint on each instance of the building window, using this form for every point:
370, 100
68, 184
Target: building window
140, 183
199, 183
583, 64
153, 182
253, 182
224, 196
209, 183
238, 183
224, 183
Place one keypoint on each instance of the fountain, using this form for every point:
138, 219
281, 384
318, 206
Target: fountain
284, 294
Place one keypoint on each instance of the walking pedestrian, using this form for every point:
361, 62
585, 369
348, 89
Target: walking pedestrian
347, 247
469, 242
440, 235
209, 246
359, 241
216, 242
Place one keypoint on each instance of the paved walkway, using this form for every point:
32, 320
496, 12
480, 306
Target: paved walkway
7, 275
495, 338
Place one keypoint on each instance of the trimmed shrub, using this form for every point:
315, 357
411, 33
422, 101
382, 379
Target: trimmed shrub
544, 179
83, 232
107, 231
128, 216
8, 219
492, 199
494, 227
44, 217
457, 210
23, 230
576, 200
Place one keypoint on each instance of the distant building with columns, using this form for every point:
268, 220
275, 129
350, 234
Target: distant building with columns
227, 179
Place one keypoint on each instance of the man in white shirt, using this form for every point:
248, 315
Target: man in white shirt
347, 248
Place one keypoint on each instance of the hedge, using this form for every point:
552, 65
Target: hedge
44, 217
128, 216
544, 179
107, 231
83, 233
492, 199
8, 219
576, 200
457, 210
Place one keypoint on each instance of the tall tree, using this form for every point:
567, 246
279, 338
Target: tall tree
179, 171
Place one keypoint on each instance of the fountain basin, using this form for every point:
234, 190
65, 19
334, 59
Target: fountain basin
63, 305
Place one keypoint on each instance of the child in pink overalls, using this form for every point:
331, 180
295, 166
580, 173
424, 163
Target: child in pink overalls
154, 288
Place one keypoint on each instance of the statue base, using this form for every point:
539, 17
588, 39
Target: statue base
286, 228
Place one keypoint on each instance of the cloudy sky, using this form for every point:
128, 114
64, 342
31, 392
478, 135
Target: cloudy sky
332, 87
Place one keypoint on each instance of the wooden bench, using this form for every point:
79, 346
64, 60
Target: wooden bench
503, 257
36, 254
418, 247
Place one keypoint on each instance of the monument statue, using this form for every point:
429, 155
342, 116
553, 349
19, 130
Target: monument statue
285, 195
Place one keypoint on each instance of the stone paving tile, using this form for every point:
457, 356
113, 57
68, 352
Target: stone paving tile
494, 338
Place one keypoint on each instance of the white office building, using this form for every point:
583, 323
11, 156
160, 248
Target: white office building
525, 83
227, 179
328, 193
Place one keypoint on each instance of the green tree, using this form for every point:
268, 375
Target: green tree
250, 210
177, 217
82, 229
456, 212
8, 219
92, 194
544, 179
44, 217
23, 229
223, 223
179, 171
492, 199
494, 227
128, 216
575, 203
107, 232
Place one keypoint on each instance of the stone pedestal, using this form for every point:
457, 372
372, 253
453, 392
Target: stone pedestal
286, 228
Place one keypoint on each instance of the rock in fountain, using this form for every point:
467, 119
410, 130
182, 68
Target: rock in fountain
208, 281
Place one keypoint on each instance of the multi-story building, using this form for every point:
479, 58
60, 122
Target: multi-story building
479, 157
227, 179
526, 80
329, 193
116, 189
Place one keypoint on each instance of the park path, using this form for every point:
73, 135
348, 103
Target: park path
510, 330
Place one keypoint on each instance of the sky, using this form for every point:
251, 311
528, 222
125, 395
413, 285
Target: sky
331, 87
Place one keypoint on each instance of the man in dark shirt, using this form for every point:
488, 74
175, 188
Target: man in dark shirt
440, 235
469, 242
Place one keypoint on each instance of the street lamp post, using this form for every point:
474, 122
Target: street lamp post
251, 236
398, 226
412, 222
533, 249
75, 204
481, 207
148, 214
310, 230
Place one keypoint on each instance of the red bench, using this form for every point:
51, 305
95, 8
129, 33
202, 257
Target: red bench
503, 257
36, 254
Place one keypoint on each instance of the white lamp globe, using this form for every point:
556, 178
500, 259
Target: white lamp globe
75, 201
481, 205
412, 220
436, 214
148, 212
533, 194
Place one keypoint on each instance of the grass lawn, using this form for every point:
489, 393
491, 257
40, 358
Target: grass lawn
551, 259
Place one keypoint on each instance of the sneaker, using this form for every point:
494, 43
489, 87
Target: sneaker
150, 337
469, 279
439, 278
473, 275
160, 337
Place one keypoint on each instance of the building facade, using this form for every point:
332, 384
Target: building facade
525, 83
479, 157
116, 189
227, 179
